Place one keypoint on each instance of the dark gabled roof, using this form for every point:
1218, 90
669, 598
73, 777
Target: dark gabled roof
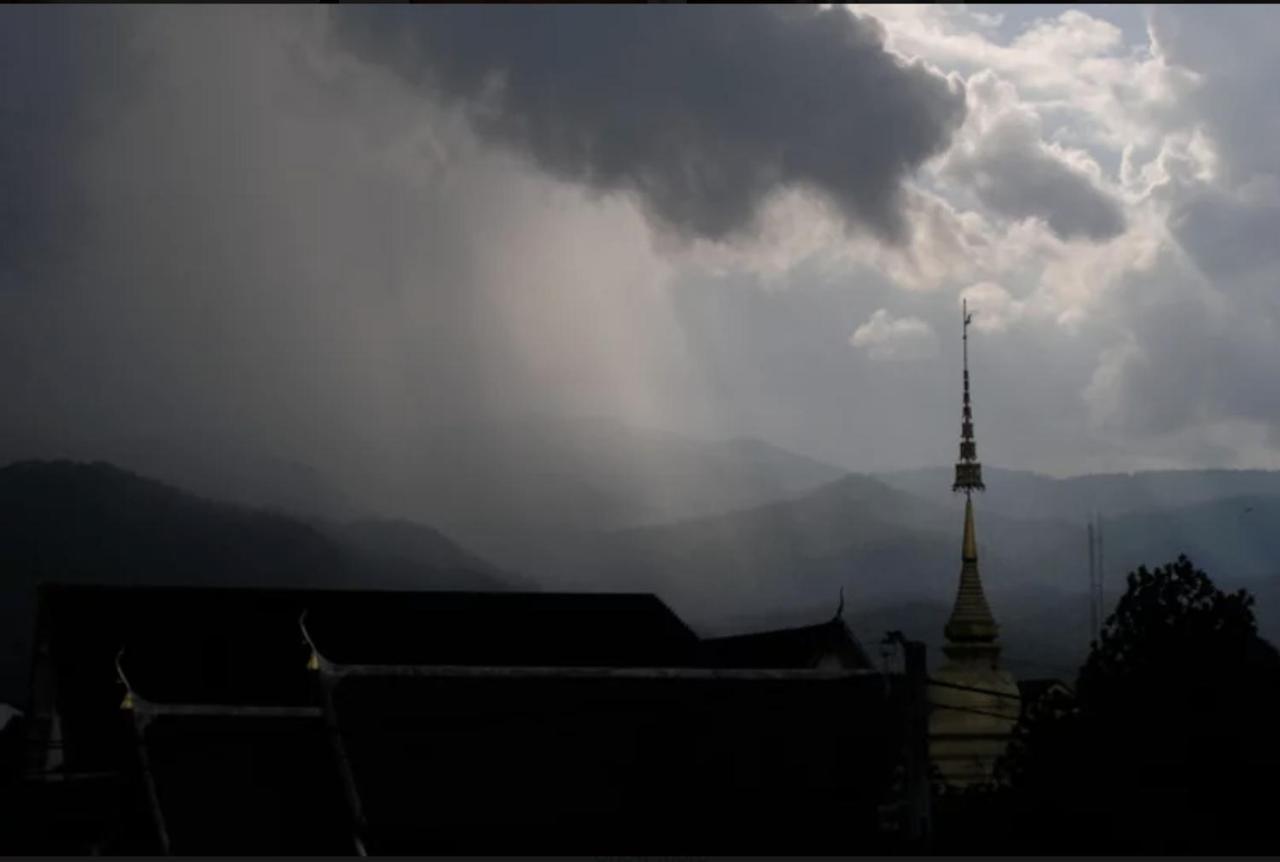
675, 741
238, 646
175, 644
503, 629
198, 645
788, 648
201, 645
248, 646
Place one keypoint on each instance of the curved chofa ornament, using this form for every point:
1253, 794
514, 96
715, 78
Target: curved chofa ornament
974, 702
128, 702
314, 661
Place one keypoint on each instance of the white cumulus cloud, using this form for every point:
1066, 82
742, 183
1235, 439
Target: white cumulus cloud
886, 338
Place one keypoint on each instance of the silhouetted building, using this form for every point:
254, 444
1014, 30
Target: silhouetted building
828, 645
199, 721
974, 702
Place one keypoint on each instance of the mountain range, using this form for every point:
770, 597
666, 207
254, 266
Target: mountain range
96, 523
590, 474
734, 535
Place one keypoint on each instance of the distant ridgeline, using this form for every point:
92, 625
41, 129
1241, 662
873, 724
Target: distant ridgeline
94, 523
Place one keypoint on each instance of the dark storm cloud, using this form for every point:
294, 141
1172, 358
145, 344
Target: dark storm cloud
221, 229
701, 111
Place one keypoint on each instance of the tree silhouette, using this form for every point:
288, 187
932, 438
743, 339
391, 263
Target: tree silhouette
1170, 743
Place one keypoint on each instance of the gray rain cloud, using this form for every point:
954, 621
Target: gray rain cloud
700, 111
285, 226
1011, 172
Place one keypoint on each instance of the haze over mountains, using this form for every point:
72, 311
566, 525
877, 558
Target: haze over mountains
535, 473
733, 535
95, 523
590, 474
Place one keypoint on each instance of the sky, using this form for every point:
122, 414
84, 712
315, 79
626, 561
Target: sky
328, 231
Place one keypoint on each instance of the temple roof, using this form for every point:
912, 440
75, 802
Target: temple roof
246, 647
791, 648
458, 712
503, 629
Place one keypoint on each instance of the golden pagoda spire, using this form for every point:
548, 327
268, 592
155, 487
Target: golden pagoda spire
971, 624
974, 703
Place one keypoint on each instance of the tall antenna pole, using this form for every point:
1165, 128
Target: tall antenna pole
1101, 576
1093, 588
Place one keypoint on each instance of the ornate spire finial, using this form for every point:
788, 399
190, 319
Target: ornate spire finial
971, 621
968, 470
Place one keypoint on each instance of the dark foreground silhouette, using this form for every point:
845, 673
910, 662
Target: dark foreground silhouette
230, 721
1169, 743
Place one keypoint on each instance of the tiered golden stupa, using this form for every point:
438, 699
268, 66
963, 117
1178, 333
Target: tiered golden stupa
974, 704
